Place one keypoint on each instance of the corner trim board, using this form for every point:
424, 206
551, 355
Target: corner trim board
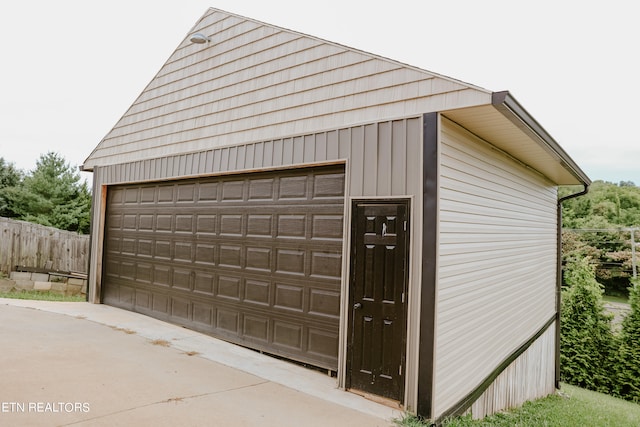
430, 135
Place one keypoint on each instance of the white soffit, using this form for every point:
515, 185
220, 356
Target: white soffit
515, 135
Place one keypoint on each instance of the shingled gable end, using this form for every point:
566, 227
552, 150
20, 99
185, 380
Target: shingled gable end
340, 209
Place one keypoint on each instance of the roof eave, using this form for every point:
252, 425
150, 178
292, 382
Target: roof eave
513, 111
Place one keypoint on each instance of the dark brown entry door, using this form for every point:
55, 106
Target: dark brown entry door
378, 293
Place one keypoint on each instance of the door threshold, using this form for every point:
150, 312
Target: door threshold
391, 403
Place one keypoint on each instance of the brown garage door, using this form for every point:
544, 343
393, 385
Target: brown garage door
254, 259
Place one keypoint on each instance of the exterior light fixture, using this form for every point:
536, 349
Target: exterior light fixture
199, 38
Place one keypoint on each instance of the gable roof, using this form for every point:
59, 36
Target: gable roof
255, 82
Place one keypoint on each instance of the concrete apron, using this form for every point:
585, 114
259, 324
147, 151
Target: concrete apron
99, 365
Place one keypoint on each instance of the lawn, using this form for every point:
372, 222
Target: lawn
615, 298
44, 296
573, 406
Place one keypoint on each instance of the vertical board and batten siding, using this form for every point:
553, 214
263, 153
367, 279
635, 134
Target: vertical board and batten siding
381, 156
256, 82
496, 261
32, 245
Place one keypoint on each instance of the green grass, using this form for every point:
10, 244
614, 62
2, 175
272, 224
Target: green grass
573, 407
43, 296
615, 298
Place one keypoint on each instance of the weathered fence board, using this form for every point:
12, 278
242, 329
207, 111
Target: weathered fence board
31, 245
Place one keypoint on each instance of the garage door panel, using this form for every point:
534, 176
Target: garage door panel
259, 258
232, 191
257, 292
143, 298
322, 343
231, 224
164, 223
259, 225
231, 256
293, 188
203, 314
111, 293
130, 195
289, 297
185, 192
145, 248
327, 186
204, 283
254, 259
181, 308
261, 189
146, 222
144, 272
327, 227
114, 221
288, 335
206, 224
162, 250
256, 328
325, 264
147, 195
324, 303
229, 287
184, 224
290, 261
208, 191
205, 254
160, 303
161, 275
181, 279
165, 194
313, 297
227, 320
182, 252
130, 222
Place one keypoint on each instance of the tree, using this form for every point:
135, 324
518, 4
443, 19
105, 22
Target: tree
10, 177
52, 195
587, 341
617, 205
628, 372
606, 210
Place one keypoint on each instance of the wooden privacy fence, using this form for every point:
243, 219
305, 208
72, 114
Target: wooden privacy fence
31, 245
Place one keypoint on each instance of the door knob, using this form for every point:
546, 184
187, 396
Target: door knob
357, 305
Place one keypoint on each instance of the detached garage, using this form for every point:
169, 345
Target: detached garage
339, 209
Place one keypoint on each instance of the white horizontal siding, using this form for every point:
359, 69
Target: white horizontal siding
254, 82
496, 261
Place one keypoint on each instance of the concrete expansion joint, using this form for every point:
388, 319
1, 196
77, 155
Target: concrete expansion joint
175, 400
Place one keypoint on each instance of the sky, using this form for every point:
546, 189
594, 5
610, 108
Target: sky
70, 69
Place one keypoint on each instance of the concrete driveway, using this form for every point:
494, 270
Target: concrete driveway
80, 364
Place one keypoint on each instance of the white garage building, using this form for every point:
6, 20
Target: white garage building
339, 209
